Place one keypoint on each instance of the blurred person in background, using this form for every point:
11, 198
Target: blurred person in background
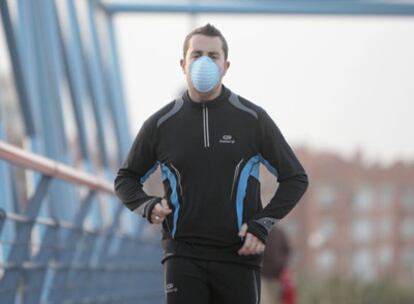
277, 282
209, 144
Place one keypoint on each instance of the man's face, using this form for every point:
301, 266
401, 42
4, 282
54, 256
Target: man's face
200, 45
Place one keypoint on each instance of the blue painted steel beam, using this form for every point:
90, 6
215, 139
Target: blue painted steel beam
54, 63
266, 7
45, 78
96, 83
35, 279
6, 183
50, 75
76, 74
6, 201
2, 219
28, 59
35, 202
17, 67
117, 101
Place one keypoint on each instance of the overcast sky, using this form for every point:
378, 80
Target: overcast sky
331, 83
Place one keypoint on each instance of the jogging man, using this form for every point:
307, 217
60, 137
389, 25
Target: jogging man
209, 144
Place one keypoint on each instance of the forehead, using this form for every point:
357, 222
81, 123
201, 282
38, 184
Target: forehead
205, 44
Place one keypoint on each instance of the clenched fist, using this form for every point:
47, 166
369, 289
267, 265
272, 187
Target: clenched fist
160, 211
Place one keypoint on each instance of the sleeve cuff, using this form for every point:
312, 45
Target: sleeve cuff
149, 206
145, 209
260, 228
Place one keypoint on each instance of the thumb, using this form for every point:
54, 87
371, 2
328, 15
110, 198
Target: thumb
165, 204
243, 230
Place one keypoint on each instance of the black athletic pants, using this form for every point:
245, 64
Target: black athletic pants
192, 281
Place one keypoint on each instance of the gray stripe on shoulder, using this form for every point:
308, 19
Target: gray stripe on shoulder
177, 106
235, 101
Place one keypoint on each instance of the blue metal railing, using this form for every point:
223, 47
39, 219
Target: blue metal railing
48, 260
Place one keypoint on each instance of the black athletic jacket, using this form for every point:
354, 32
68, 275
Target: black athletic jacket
209, 155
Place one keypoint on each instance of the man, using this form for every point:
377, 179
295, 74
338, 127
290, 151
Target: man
209, 144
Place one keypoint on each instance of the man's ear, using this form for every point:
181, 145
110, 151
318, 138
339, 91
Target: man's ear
226, 67
182, 64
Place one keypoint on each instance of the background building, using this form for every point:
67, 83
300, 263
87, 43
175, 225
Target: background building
355, 220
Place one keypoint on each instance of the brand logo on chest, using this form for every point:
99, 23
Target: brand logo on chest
227, 139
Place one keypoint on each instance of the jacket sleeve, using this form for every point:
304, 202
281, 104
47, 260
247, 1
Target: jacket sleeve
280, 160
140, 163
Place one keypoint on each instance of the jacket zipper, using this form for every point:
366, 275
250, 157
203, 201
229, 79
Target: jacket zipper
236, 173
205, 127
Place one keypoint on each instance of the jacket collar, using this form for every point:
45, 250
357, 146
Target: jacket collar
223, 97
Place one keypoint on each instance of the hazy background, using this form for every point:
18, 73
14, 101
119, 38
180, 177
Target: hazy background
335, 85
332, 83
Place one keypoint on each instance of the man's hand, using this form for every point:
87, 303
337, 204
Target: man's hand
160, 211
252, 245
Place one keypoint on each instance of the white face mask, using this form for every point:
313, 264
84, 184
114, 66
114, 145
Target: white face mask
205, 74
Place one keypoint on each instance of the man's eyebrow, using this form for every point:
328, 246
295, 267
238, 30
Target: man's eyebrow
200, 52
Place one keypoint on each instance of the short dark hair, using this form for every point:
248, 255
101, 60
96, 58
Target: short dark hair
207, 30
